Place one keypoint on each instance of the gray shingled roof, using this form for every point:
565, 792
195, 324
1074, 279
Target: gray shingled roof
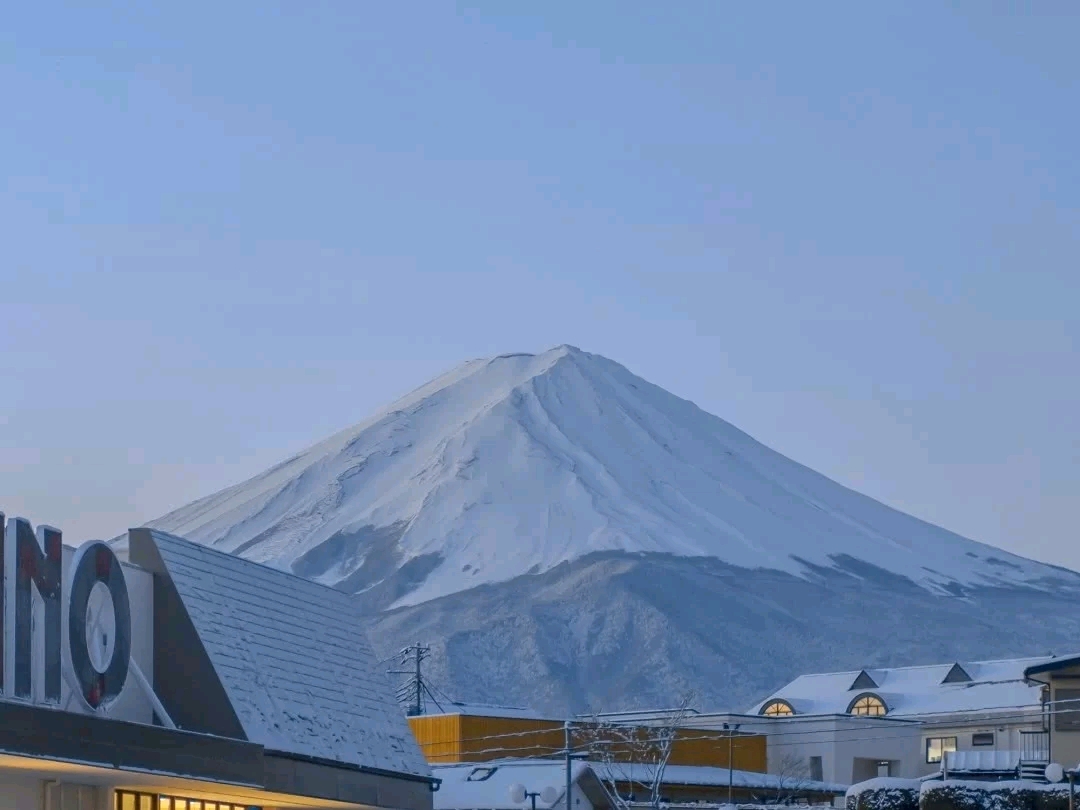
293, 659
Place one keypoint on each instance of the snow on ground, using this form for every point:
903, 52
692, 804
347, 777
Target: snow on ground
513, 465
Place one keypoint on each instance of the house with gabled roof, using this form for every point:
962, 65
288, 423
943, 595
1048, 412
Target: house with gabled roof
989, 707
982, 719
171, 676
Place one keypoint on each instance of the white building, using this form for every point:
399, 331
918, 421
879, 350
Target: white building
188, 679
845, 727
979, 706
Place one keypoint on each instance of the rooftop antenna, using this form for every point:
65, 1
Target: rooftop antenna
415, 689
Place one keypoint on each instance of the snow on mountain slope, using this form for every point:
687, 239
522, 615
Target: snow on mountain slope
512, 465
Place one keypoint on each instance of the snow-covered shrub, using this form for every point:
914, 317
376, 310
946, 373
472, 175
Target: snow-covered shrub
958, 795
884, 793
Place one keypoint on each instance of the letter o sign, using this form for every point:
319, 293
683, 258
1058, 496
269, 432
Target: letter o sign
93, 563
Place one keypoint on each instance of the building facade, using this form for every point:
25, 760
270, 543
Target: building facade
1061, 679
182, 678
477, 746
957, 707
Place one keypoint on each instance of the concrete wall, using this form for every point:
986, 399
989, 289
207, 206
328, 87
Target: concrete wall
1006, 734
837, 739
1064, 744
19, 792
132, 704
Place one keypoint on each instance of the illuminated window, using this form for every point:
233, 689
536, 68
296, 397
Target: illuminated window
868, 706
778, 708
937, 747
127, 800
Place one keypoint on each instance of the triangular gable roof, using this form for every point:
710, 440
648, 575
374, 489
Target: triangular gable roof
291, 655
956, 674
863, 681
997, 686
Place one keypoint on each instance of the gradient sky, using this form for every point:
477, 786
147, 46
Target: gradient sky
851, 229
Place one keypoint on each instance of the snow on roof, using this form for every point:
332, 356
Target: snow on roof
487, 785
293, 659
915, 691
702, 775
490, 710
884, 783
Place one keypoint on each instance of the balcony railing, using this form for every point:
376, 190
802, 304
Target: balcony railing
1034, 746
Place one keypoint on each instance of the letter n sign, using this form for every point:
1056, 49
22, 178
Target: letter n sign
38, 563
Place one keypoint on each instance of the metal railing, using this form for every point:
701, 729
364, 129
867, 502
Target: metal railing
1034, 746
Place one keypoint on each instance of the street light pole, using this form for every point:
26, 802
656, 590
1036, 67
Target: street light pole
569, 759
731, 728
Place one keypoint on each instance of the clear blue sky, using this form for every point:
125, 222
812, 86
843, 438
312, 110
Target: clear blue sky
851, 229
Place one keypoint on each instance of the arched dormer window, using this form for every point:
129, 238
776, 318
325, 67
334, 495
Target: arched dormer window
868, 705
777, 708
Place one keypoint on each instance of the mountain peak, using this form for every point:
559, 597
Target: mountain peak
515, 464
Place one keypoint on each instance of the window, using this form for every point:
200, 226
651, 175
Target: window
863, 681
778, 708
816, 771
937, 747
126, 800
983, 738
1066, 709
957, 674
868, 706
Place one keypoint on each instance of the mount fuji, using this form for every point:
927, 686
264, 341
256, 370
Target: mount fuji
567, 535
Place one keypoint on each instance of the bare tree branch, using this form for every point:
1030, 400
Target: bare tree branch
792, 779
634, 755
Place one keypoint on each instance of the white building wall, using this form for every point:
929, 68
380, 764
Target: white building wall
1006, 729
19, 792
841, 741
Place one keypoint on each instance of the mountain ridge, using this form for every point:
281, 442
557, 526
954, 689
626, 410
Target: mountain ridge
567, 535
510, 465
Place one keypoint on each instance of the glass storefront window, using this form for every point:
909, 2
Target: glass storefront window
127, 800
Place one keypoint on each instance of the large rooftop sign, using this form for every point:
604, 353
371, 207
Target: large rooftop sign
97, 663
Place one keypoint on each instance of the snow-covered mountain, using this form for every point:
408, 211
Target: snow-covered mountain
564, 473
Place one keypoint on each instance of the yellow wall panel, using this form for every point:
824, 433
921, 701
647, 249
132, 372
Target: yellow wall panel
467, 738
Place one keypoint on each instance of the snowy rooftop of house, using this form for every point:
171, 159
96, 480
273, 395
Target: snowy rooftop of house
487, 785
938, 689
292, 657
704, 776
489, 710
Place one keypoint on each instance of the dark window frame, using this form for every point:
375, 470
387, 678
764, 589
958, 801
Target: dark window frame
983, 739
941, 740
1066, 709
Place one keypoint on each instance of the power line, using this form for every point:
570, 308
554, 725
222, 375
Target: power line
1050, 708
415, 690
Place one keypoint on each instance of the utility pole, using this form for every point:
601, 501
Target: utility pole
730, 728
569, 760
415, 687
